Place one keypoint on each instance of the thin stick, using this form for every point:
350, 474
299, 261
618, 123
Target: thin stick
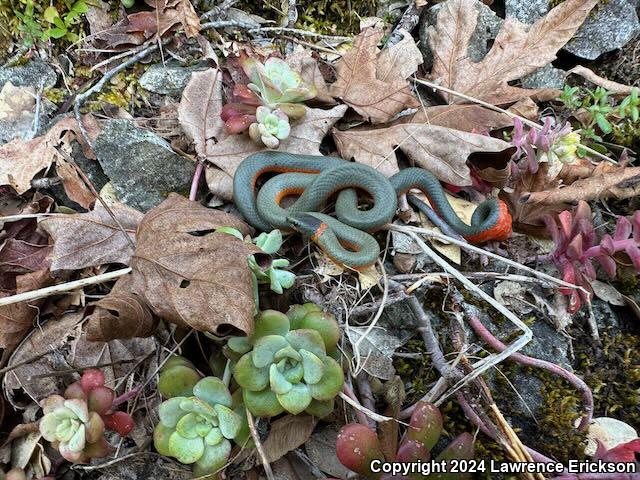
492, 360
481, 251
63, 287
256, 439
526, 121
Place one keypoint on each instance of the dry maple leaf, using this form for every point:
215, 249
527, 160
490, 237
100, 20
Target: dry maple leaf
517, 51
373, 84
21, 160
442, 151
121, 314
305, 138
18, 256
91, 239
474, 118
303, 62
189, 274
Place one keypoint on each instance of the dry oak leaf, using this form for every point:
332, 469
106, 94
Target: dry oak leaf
517, 51
91, 239
121, 314
442, 151
189, 274
305, 138
374, 84
618, 183
21, 160
17, 319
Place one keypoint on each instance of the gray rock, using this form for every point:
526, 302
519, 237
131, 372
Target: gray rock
545, 77
22, 126
142, 167
611, 27
32, 74
486, 30
169, 79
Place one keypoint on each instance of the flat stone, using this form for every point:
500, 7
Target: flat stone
31, 74
612, 25
142, 167
488, 25
169, 79
545, 77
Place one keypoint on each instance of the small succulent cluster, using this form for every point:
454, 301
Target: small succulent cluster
287, 364
555, 145
357, 445
265, 268
602, 115
75, 422
577, 245
197, 422
274, 96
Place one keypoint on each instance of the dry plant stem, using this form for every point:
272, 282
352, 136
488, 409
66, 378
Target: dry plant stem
94, 192
193, 193
256, 439
526, 121
364, 388
492, 360
481, 251
218, 10
63, 287
577, 382
434, 217
362, 418
297, 31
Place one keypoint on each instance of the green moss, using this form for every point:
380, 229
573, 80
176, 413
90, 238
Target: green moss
339, 17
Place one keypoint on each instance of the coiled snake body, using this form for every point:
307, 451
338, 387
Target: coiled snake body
346, 239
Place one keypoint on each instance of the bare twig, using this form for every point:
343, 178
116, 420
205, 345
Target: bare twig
63, 287
409, 20
219, 11
256, 439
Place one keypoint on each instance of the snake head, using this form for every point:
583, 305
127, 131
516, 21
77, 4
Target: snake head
305, 223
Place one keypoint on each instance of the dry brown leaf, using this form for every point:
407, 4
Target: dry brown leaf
474, 118
21, 160
305, 138
18, 256
121, 314
517, 51
400, 60
374, 88
286, 434
303, 62
17, 319
528, 218
200, 107
189, 274
91, 239
614, 87
75, 188
442, 151
619, 184
188, 18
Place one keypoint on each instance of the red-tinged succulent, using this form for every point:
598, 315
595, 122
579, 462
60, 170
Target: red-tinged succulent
240, 112
357, 446
577, 246
75, 422
625, 452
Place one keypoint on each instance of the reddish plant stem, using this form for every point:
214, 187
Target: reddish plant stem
362, 418
193, 193
577, 382
125, 397
364, 388
618, 245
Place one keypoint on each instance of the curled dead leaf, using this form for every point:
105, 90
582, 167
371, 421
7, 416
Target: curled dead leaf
121, 314
287, 433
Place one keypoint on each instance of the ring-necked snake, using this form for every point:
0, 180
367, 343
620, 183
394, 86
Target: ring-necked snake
346, 239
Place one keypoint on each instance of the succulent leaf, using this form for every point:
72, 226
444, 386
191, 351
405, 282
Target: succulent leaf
425, 425
356, 447
213, 391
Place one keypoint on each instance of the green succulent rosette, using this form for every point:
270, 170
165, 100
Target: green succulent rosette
287, 364
197, 429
